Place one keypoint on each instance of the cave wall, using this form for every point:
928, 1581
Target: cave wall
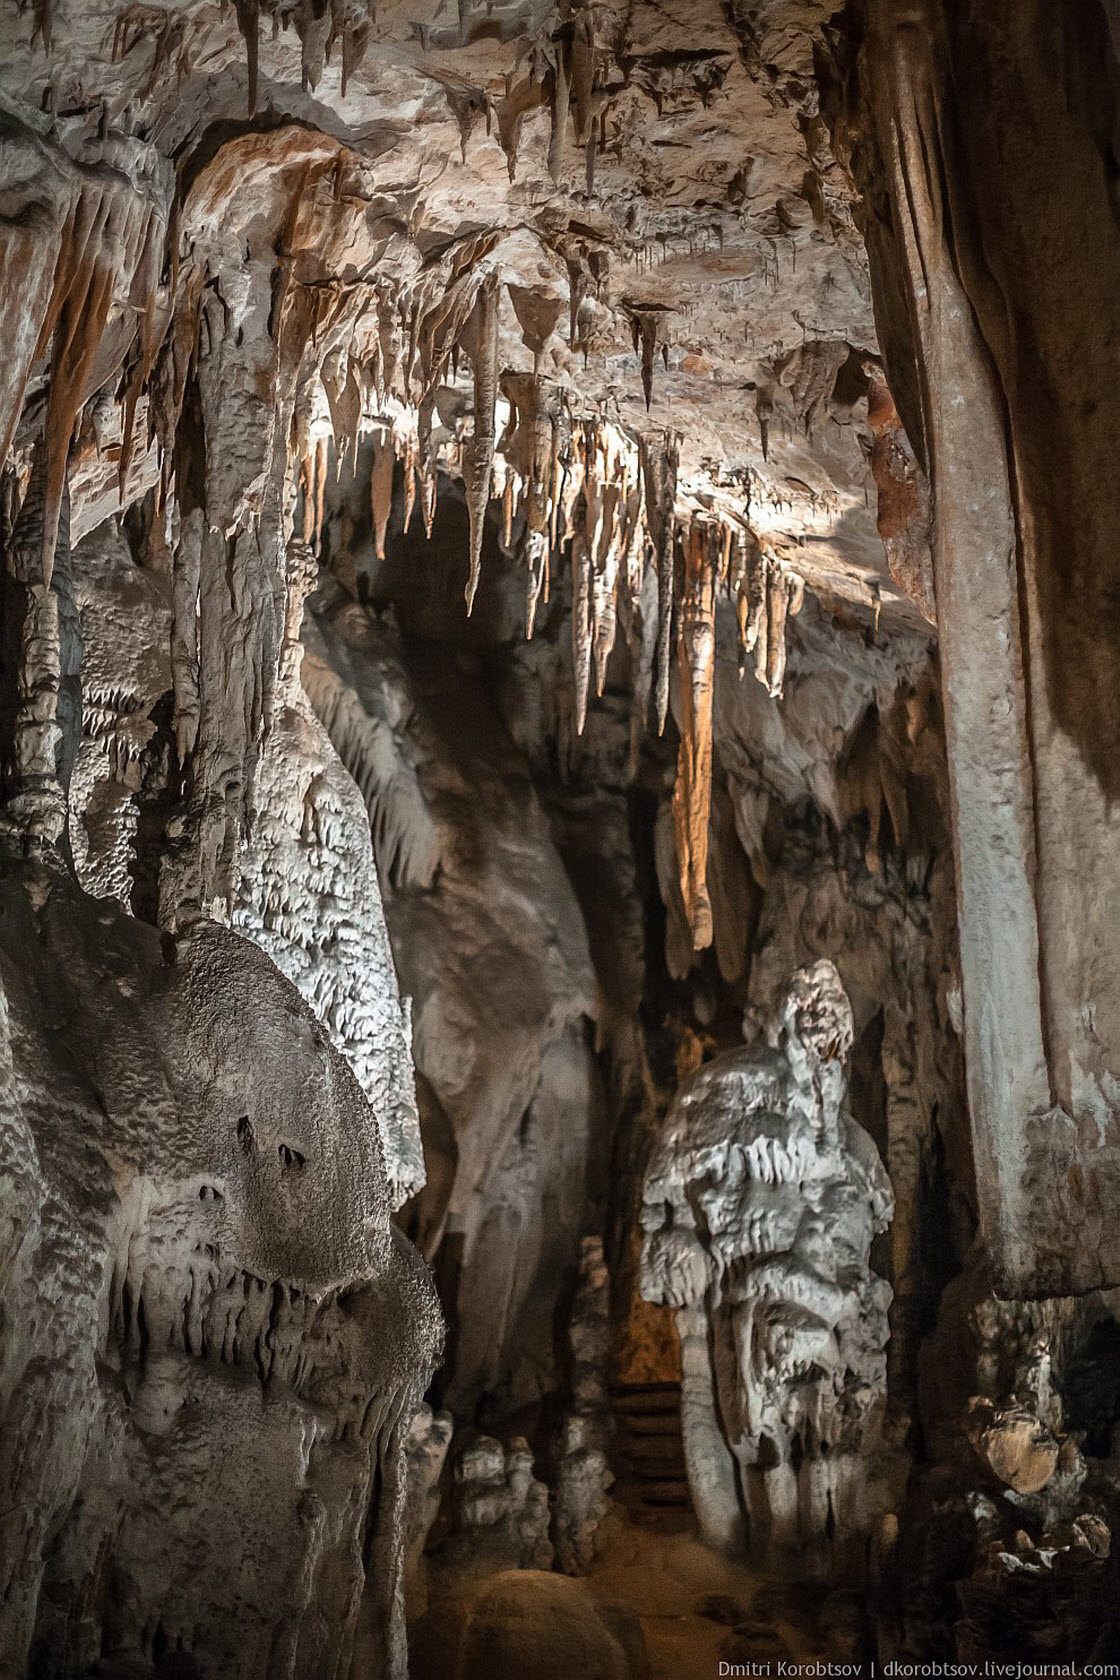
985, 152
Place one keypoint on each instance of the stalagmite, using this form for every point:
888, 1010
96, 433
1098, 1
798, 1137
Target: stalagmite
783, 1320
43, 636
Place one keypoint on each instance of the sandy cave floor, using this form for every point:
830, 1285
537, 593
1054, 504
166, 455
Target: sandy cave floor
666, 1578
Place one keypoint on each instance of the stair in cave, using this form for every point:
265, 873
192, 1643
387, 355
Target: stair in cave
651, 1482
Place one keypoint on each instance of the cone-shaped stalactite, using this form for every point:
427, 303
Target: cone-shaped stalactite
381, 489
660, 454
692, 795
478, 450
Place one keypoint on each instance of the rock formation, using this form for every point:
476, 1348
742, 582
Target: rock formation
559, 999
207, 1312
758, 1211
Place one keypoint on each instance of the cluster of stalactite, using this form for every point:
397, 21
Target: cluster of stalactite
323, 26
254, 384
566, 69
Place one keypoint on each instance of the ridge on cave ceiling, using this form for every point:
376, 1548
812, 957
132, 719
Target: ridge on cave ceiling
645, 252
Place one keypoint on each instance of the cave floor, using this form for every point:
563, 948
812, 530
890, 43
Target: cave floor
671, 1580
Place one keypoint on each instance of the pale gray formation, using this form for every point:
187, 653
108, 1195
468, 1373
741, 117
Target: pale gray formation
207, 1313
425, 1455
583, 1471
308, 892
759, 1209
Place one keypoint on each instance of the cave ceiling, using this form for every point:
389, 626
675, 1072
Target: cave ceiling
641, 184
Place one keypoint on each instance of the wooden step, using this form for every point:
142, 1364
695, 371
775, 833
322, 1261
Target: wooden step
640, 1425
651, 1479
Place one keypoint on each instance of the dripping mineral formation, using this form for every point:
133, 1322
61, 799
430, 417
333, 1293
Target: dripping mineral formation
559, 979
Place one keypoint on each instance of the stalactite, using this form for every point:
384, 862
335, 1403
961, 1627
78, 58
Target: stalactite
466, 100
507, 513
560, 106
344, 399
537, 315
752, 610
583, 72
605, 612
555, 493
232, 452
249, 23
659, 454
389, 340
647, 324
903, 512
42, 15
604, 493
153, 325
582, 626
530, 447
321, 460
185, 578
381, 489
313, 25
353, 21
633, 546
767, 592
528, 95
693, 790
784, 595
29, 252
135, 24
410, 452
478, 451
764, 412
579, 281
103, 243
426, 462
172, 369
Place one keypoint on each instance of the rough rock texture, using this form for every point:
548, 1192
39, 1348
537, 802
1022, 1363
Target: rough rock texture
759, 1209
490, 945
987, 210
199, 1272
308, 891
522, 528
525, 1622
